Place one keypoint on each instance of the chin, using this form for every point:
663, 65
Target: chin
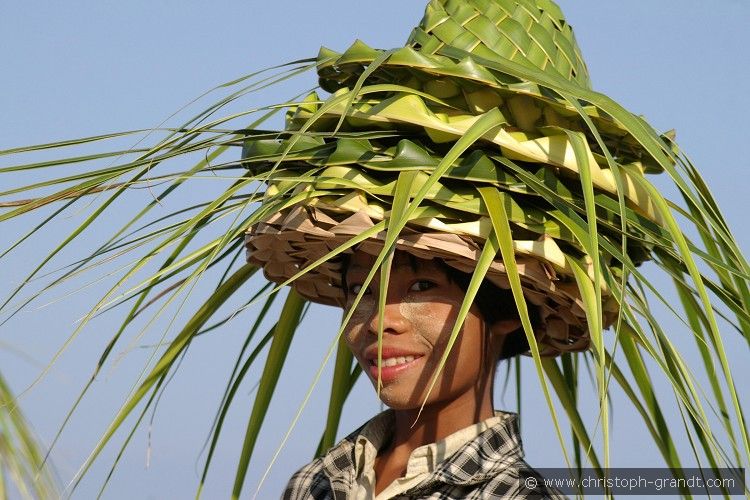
397, 399
399, 405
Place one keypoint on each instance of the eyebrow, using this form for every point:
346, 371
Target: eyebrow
359, 268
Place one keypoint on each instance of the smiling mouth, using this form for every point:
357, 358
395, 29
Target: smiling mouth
389, 362
393, 367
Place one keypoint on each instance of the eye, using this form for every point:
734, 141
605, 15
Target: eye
355, 288
421, 286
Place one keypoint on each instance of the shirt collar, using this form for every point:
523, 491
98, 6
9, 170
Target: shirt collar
480, 458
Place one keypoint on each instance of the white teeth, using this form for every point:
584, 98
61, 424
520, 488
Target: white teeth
395, 361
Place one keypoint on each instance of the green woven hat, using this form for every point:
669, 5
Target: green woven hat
473, 131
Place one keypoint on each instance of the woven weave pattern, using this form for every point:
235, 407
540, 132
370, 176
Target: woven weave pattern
336, 173
295, 239
432, 64
530, 33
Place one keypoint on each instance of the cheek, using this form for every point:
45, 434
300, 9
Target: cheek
355, 331
351, 335
362, 313
432, 321
354, 340
435, 323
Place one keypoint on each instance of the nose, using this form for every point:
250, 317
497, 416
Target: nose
394, 321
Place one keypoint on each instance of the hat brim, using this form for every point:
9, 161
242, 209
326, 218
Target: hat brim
294, 239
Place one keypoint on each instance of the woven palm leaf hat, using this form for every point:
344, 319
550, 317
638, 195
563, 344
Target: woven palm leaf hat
414, 117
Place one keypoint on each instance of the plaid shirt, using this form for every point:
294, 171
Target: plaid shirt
488, 466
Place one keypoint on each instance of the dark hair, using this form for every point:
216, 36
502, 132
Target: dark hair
494, 304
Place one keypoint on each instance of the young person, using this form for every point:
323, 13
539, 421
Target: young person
445, 443
483, 128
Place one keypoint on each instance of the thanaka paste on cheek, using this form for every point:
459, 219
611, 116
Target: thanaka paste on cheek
426, 321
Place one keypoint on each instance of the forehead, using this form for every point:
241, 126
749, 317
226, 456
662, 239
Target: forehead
363, 261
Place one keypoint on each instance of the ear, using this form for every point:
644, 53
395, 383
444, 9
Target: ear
505, 326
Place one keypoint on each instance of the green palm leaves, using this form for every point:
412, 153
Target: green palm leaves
22, 469
492, 118
383, 129
480, 141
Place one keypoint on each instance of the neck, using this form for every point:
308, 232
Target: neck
437, 421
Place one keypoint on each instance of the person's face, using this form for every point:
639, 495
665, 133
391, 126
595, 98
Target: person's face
420, 310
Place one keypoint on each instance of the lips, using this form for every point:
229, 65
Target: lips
394, 363
388, 362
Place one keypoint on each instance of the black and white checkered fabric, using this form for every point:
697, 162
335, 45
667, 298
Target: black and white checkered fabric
487, 467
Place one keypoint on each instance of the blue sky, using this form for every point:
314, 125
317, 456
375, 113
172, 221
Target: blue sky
90, 67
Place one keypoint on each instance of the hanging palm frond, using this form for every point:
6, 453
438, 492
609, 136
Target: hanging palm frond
480, 142
22, 469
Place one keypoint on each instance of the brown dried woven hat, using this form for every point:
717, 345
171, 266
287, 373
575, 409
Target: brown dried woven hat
412, 117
